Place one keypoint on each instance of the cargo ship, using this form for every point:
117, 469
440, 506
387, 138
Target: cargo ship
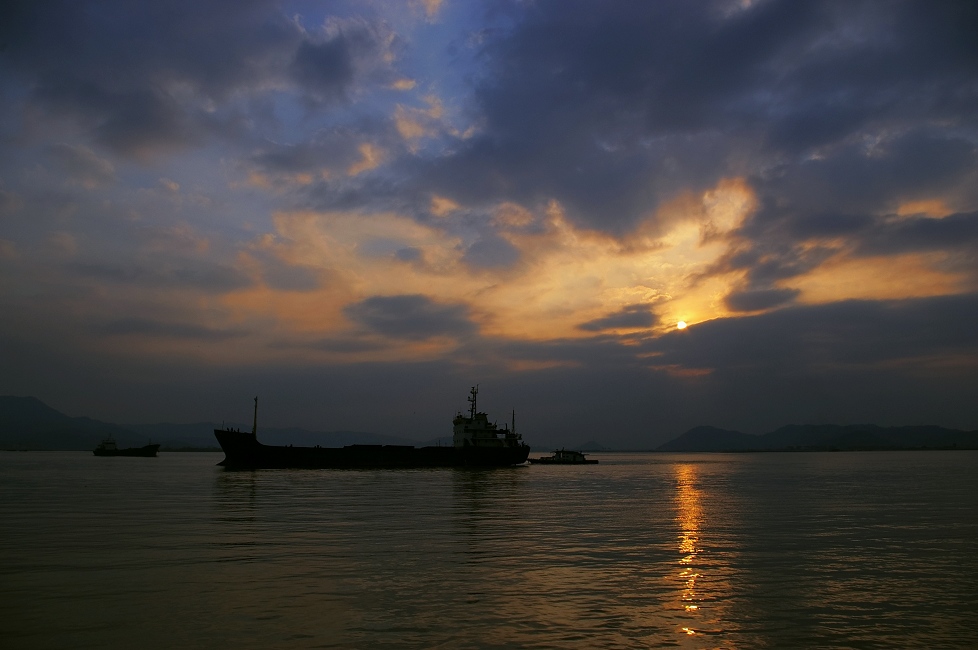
108, 448
476, 442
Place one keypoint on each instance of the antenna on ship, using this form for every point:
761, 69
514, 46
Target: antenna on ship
474, 391
514, 420
254, 427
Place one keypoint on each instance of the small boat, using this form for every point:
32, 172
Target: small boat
108, 448
564, 457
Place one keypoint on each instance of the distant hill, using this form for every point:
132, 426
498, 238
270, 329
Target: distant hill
824, 437
712, 439
29, 423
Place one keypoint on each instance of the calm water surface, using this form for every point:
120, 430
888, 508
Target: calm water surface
854, 550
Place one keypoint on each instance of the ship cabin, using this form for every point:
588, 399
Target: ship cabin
476, 430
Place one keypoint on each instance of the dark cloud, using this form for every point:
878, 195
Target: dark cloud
333, 150
326, 68
146, 78
409, 254
866, 178
81, 165
950, 233
491, 251
805, 339
333, 344
610, 111
140, 75
631, 317
210, 278
758, 299
154, 328
412, 317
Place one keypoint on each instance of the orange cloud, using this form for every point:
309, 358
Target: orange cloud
913, 275
441, 206
564, 275
936, 208
371, 158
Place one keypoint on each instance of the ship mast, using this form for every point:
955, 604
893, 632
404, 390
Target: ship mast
254, 427
474, 391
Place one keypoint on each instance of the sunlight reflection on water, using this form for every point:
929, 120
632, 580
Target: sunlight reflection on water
642, 550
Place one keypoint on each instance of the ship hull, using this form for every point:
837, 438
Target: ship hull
149, 451
243, 451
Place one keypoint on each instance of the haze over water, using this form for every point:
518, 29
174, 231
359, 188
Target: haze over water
861, 550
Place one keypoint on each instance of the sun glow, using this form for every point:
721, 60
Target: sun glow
681, 325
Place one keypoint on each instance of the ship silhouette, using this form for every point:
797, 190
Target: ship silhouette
476, 442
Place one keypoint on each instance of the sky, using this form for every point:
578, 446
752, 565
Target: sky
358, 210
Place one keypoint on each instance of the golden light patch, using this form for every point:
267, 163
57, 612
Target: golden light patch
408, 124
370, 158
728, 204
681, 325
431, 8
441, 206
435, 108
416, 123
935, 208
877, 278
512, 215
404, 84
259, 180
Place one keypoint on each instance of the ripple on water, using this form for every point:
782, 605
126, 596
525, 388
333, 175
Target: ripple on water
642, 550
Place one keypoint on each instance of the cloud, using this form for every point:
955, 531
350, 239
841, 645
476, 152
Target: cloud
759, 299
149, 79
609, 112
153, 328
953, 232
413, 317
114, 70
81, 165
491, 251
326, 67
804, 339
630, 317
200, 276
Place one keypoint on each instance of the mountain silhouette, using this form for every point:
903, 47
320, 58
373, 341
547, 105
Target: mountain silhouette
29, 423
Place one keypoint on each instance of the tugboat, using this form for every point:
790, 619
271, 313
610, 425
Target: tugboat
108, 448
564, 457
476, 443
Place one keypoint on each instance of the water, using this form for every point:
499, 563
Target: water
854, 550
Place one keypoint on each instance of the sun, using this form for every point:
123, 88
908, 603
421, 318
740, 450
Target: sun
681, 325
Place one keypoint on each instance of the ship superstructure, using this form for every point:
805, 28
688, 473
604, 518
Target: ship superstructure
477, 431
